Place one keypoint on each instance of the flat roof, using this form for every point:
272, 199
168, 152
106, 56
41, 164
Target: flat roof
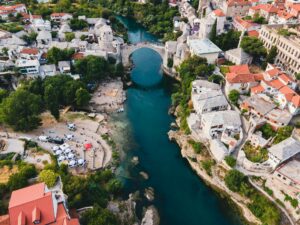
291, 170
203, 46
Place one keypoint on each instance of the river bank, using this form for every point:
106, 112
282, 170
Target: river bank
214, 180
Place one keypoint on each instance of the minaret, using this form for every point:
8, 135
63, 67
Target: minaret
202, 8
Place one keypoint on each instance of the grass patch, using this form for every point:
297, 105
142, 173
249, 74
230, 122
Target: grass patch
207, 166
231, 161
197, 146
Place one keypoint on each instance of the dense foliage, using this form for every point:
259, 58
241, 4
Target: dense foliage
260, 206
49, 177
254, 47
234, 96
230, 160
226, 41
157, 16
54, 55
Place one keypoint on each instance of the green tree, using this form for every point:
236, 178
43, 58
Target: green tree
253, 46
215, 79
3, 94
234, 180
213, 32
231, 161
69, 91
119, 70
228, 40
54, 55
82, 97
69, 36
51, 100
283, 133
49, 177
234, 96
30, 38
170, 62
77, 24
21, 110
272, 55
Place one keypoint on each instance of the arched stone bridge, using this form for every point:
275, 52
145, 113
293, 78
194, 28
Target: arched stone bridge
128, 49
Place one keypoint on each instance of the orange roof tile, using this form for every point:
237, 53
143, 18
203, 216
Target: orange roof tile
258, 76
253, 33
78, 55
295, 7
273, 72
296, 101
285, 78
239, 78
285, 15
257, 89
62, 217
10, 7
219, 12
244, 23
276, 84
4, 220
58, 14
239, 69
238, 2
30, 51
288, 92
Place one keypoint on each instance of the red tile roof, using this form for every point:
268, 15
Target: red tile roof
4, 220
285, 78
10, 7
30, 51
59, 14
296, 101
238, 2
239, 78
269, 8
273, 72
78, 55
287, 92
257, 89
295, 7
285, 15
276, 84
62, 217
219, 12
253, 33
244, 23
240, 69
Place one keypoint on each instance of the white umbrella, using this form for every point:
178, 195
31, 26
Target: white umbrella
55, 148
68, 150
64, 146
58, 152
71, 156
61, 158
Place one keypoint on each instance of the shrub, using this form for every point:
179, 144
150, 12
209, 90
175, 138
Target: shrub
231, 161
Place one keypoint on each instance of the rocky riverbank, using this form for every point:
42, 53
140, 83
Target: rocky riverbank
215, 179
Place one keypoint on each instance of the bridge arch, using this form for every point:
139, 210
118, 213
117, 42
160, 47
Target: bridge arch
128, 49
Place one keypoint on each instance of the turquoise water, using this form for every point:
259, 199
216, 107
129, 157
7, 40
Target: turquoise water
180, 196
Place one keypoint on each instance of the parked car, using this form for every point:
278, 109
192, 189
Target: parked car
71, 126
72, 164
43, 138
56, 140
58, 152
71, 156
81, 162
55, 148
64, 146
69, 137
61, 158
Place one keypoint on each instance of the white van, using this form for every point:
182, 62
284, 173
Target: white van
43, 138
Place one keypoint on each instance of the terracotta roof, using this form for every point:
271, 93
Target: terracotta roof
27, 16
269, 8
257, 89
219, 12
238, 2
276, 84
258, 76
244, 23
4, 220
288, 93
59, 14
10, 7
284, 14
78, 55
273, 72
239, 78
295, 7
239, 69
296, 101
285, 78
253, 33
30, 51
62, 217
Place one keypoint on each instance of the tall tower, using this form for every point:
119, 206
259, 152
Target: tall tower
202, 8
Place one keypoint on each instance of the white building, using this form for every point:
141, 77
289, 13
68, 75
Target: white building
64, 67
204, 48
61, 17
106, 38
238, 56
48, 70
28, 67
44, 38
283, 151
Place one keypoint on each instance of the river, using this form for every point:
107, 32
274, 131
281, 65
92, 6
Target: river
181, 197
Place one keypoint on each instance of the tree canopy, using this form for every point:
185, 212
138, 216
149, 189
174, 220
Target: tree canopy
253, 46
54, 55
49, 177
21, 110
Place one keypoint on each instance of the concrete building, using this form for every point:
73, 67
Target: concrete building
106, 38
28, 67
238, 56
232, 8
48, 70
287, 41
283, 151
204, 48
